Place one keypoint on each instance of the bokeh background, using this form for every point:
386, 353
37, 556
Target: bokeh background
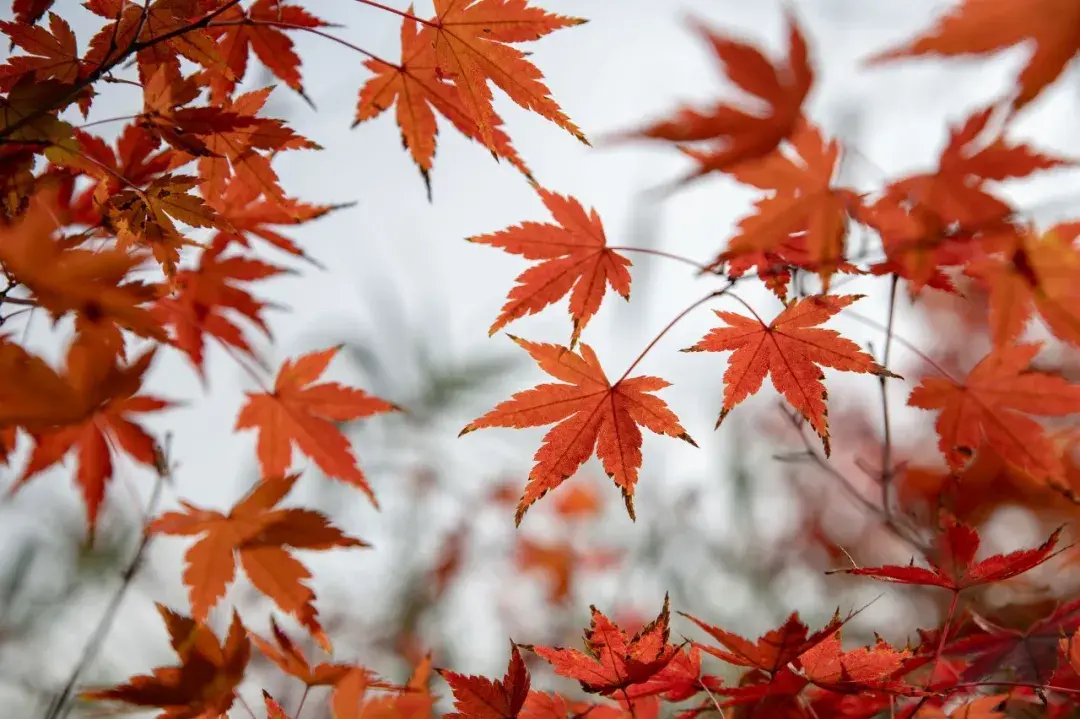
739, 531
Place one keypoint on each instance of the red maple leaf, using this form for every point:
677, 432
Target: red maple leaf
612, 661
576, 257
591, 413
953, 565
259, 30
478, 697
793, 351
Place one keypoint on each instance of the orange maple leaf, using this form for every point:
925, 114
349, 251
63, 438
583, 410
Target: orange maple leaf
979, 27
477, 697
793, 351
238, 150
260, 535
419, 90
591, 413
1031, 271
62, 278
274, 710
203, 686
802, 223
94, 402
613, 661
414, 702
145, 217
259, 30
206, 293
471, 40
991, 405
742, 135
297, 411
875, 668
344, 679
165, 31
576, 257
54, 53
249, 214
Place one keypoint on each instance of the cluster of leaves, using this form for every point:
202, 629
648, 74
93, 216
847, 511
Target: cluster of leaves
79, 218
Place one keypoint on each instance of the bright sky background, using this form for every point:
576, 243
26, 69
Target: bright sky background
394, 254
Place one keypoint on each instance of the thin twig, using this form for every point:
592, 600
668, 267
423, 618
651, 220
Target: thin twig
886, 448
61, 707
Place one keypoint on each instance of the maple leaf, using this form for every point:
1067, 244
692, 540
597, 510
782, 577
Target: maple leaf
591, 413
676, 682
136, 161
162, 31
793, 351
65, 279
1028, 652
95, 420
575, 257
344, 679
273, 709
145, 217
419, 90
414, 702
988, 405
613, 661
953, 565
204, 296
259, 30
236, 150
249, 214
203, 686
298, 411
471, 40
23, 122
260, 536
859, 670
956, 192
773, 650
478, 697
1031, 271
54, 54
979, 27
166, 115
744, 136
30, 11
803, 222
